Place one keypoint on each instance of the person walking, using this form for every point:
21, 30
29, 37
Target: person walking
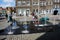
8, 13
6, 16
11, 17
33, 14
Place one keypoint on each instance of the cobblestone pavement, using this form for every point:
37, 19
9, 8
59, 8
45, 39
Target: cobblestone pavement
34, 36
4, 24
22, 36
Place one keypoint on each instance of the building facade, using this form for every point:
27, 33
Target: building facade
10, 9
2, 10
24, 7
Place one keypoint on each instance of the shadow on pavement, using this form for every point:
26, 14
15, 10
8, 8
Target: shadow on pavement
31, 28
3, 39
51, 35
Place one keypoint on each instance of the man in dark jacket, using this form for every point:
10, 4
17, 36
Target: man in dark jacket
6, 16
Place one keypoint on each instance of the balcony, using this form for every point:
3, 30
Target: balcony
35, 4
42, 0
56, 1
23, 3
43, 3
50, 3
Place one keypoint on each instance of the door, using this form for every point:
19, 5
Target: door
27, 12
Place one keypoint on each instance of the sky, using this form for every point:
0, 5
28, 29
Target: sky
7, 3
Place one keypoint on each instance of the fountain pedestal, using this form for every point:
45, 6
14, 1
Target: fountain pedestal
14, 25
10, 32
25, 31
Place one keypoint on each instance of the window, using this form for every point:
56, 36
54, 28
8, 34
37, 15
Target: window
42, 0
50, 3
35, 3
24, 12
40, 11
33, 10
51, 11
37, 10
43, 3
56, 6
18, 3
23, 2
43, 11
28, 3
48, 11
56, 0
19, 11
28, 11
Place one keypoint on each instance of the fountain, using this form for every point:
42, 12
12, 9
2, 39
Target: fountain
10, 30
44, 21
25, 26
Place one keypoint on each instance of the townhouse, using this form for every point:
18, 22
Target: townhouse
24, 7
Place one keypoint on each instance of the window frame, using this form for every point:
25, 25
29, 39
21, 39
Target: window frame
28, 4
19, 3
